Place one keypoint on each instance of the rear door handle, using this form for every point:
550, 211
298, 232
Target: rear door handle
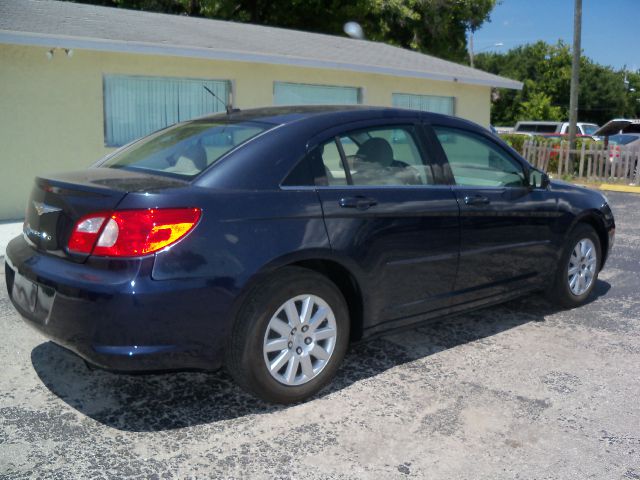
359, 202
476, 200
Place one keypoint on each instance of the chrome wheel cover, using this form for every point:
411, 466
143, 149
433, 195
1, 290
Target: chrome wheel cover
299, 340
582, 268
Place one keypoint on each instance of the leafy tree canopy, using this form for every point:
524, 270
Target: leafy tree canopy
539, 106
436, 27
546, 72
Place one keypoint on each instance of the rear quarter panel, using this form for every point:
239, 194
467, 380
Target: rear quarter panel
239, 232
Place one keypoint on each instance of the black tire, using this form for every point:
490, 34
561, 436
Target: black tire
560, 292
244, 357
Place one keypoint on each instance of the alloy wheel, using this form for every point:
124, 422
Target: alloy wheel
299, 340
582, 267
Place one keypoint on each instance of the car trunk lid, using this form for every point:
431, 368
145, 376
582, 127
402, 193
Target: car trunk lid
618, 125
58, 201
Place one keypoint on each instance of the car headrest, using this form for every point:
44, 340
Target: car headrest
197, 155
376, 150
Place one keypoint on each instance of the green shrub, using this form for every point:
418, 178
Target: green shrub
515, 141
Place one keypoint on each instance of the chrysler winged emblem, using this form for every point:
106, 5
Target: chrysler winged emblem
42, 208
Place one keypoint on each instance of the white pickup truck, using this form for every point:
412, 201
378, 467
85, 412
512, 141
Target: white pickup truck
550, 128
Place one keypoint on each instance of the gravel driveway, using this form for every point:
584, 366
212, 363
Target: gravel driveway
521, 390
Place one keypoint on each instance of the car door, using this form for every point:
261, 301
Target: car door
387, 209
506, 226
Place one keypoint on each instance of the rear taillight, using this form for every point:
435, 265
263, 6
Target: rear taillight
131, 233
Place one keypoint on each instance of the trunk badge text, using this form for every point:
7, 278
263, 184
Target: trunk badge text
42, 208
30, 232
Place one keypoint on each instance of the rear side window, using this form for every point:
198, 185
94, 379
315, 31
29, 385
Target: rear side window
546, 128
373, 157
537, 128
476, 161
185, 150
332, 162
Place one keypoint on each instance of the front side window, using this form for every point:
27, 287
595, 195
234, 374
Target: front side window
476, 161
185, 150
135, 106
374, 157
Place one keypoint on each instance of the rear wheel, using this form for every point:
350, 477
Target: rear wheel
578, 269
290, 337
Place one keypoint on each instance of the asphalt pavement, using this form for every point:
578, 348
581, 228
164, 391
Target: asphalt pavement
522, 390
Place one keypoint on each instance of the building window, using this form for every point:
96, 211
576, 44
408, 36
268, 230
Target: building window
426, 103
303, 94
136, 106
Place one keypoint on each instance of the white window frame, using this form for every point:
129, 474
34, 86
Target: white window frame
218, 105
359, 91
453, 99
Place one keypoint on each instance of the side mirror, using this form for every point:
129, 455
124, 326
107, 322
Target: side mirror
538, 179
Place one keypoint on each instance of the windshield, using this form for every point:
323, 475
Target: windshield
589, 128
185, 149
622, 139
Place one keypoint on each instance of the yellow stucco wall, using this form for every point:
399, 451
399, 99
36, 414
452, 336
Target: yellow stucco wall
52, 118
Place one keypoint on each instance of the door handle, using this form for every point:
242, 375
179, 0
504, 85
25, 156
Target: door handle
476, 200
359, 202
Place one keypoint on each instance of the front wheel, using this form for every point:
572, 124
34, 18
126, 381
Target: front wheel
578, 269
290, 337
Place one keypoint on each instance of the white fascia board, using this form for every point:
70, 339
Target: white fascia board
120, 46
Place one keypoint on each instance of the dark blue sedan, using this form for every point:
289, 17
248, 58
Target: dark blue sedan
267, 240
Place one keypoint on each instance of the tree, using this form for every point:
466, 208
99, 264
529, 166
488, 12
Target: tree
546, 72
632, 94
539, 106
436, 27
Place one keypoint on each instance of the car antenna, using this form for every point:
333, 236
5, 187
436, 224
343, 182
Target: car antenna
227, 108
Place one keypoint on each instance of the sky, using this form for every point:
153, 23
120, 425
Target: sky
610, 28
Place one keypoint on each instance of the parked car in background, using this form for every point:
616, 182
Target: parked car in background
619, 125
621, 134
503, 130
630, 141
267, 240
625, 147
561, 128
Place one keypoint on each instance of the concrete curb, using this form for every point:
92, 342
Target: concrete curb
611, 187
8, 231
619, 188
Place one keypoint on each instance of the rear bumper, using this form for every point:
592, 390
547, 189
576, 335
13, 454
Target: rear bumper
116, 316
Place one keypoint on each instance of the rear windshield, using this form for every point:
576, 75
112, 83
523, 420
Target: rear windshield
186, 149
622, 139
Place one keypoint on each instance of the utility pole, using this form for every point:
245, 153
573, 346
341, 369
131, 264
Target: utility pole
575, 76
471, 49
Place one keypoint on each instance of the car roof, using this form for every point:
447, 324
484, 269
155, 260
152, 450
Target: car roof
295, 130
289, 114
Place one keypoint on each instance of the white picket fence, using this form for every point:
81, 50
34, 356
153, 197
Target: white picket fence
592, 163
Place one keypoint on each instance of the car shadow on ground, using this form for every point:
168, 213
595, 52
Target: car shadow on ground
157, 402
